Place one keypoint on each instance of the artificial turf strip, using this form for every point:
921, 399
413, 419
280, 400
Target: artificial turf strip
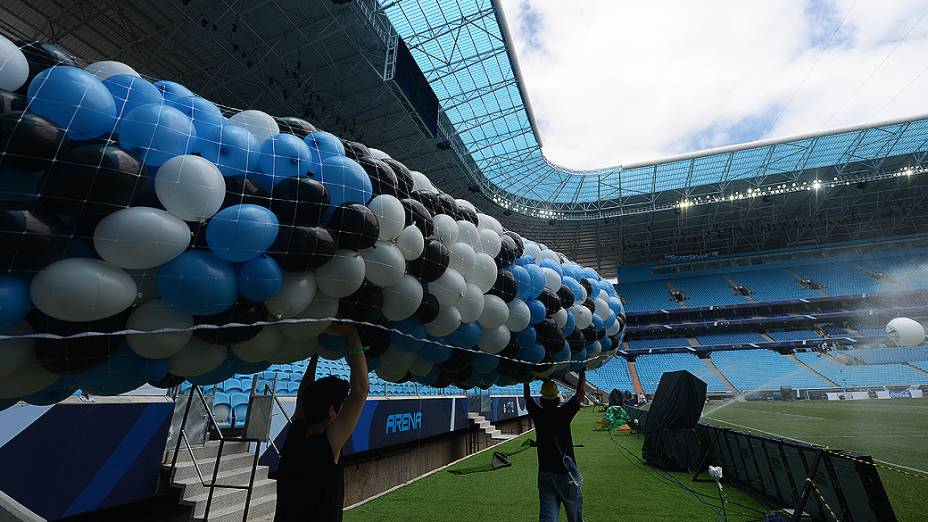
617, 487
895, 431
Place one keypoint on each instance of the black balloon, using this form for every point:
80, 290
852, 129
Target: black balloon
449, 206
428, 200
364, 304
383, 179
240, 191
551, 301
417, 214
507, 252
404, 182
589, 334
511, 351
296, 126
588, 287
566, 295
168, 381
243, 312
299, 201
30, 142
354, 226
377, 340
505, 286
428, 309
12, 101
458, 362
589, 304
576, 340
468, 214
76, 355
520, 245
30, 238
301, 249
355, 150
550, 336
41, 56
94, 180
432, 263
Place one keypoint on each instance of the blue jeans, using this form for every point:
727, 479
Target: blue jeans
555, 489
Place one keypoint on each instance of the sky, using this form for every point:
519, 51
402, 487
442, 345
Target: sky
616, 82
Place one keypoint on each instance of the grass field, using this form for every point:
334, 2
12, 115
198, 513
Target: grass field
893, 431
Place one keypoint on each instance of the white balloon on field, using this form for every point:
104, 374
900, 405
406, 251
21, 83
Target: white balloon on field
410, 242
106, 68
196, 358
468, 233
461, 257
402, 300
490, 243
495, 312
342, 275
289, 350
315, 319
397, 361
519, 315
552, 279
447, 321
582, 316
295, 294
493, 340
391, 217
260, 347
446, 229
384, 264
484, 273
261, 124
190, 187
471, 305
449, 288
155, 315
378, 154
30, 377
560, 317
16, 351
907, 332
14, 68
82, 289
140, 237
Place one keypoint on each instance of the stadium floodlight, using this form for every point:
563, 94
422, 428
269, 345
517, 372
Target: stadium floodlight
816, 185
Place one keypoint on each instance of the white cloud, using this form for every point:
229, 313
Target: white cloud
615, 82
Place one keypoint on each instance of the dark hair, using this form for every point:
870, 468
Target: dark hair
320, 394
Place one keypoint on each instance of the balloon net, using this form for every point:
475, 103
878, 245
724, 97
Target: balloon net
152, 236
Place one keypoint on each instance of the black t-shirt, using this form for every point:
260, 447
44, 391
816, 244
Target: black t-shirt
552, 426
310, 484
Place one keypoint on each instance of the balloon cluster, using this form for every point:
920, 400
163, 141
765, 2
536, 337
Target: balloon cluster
148, 237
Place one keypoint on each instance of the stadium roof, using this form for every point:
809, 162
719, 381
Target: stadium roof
464, 49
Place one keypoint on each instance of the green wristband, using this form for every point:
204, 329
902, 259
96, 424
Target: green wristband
359, 349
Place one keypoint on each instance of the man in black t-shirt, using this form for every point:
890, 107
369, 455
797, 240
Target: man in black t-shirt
557, 472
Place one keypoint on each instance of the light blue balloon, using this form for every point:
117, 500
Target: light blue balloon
241, 232
411, 327
597, 323
435, 353
538, 311
14, 300
323, 145
575, 287
345, 181
130, 92
199, 283
527, 337
524, 260
157, 133
523, 282
609, 321
204, 114
571, 323
537, 276
260, 279
484, 363
232, 148
172, 92
532, 354
547, 263
606, 343
615, 304
282, 156
74, 100
466, 335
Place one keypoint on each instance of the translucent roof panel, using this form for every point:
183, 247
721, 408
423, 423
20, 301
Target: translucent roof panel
464, 52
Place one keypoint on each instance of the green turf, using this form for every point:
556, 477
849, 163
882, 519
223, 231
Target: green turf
894, 431
618, 487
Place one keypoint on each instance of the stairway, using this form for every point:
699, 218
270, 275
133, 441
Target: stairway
718, 373
812, 370
234, 469
636, 382
488, 427
798, 279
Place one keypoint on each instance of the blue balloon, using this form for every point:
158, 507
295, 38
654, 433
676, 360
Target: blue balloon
199, 283
431, 377
411, 327
260, 279
54, 393
466, 336
575, 288
606, 343
537, 276
156, 133
538, 311
571, 323
345, 181
524, 260
232, 148
173, 92
597, 323
155, 369
205, 115
323, 145
282, 156
335, 343
373, 363
563, 355
130, 92
547, 263
577, 360
121, 373
609, 321
532, 354
489, 378
615, 304
484, 362
523, 282
241, 232
74, 100
435, 353
14, 300
247, 368
527, 337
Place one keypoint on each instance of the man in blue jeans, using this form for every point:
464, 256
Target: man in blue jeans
556, 485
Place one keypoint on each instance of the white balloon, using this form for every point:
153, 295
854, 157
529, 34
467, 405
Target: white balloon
471, 306
519, 315
446, 229
107, 68
155, 315
190, 187
342, 275
466, 204
495, 312
468, 233
322, 309
907, 331
17, 352
82, 289
601, 308
490, 222
551, 255
603, 295
614, 329
552, 279
402, 300
420, 367
593, 349
462, 258
410, 242
295, 294
384, 264
331, 355
261, 124
493, 340
421, 182
484, 273
560, 317
582, 316
391, 216
389, 375
14, 68
449, 288
490, 243
533, 250
396, 360
289, 350
28, 378
447, 321
260, 347
378, 154
196, 358
140, 237
544, 374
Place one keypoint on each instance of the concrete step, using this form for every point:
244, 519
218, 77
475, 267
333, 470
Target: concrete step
235, 461
260, 509
205, 452
230, 498
239, 477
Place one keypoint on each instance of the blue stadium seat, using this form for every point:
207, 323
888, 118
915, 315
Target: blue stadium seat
651, 367
762, 369
613, 374
264, 387
293, 387
239, 403
222, 408
232, 386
